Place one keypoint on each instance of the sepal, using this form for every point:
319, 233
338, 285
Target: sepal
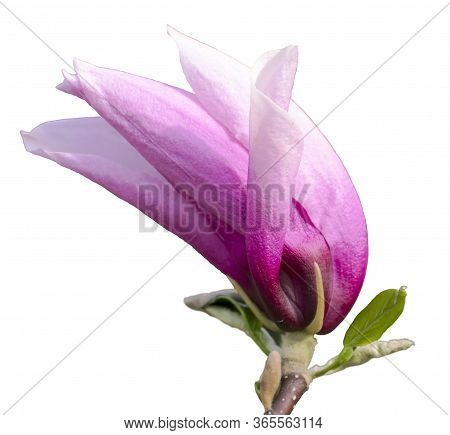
229, 307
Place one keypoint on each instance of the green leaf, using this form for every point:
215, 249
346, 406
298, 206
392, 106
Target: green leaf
228, 307
372, 322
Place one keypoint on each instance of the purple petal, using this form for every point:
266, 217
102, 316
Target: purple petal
331, 201
168, 127
94, 149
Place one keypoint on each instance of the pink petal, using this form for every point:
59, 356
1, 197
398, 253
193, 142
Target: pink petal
221, 84
95, 150
168, 127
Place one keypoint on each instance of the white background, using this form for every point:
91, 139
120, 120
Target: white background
71, 253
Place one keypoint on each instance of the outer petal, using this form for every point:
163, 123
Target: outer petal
221, 83
329, 196
330, 199
94, 149
168, 127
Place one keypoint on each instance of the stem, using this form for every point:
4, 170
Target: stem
296, 350
292, 388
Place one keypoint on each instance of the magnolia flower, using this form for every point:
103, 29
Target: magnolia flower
238, 129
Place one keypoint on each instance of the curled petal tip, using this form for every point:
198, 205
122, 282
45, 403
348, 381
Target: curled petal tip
27, 143
30, 143
274, 74
70, 84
